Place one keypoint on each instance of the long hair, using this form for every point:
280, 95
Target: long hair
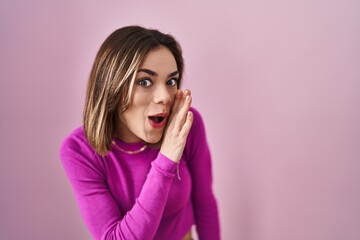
112, 79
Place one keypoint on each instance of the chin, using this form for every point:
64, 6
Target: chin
154, 139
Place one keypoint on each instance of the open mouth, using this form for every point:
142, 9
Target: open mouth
158, 121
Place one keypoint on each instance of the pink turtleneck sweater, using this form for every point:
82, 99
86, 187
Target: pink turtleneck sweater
139, 196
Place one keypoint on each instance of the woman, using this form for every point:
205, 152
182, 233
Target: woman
140, 166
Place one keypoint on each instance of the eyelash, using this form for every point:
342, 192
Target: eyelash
173, 79
142, 81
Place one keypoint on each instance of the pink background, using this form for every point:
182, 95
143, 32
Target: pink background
277, 82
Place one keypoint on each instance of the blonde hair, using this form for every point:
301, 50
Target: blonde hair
112, 79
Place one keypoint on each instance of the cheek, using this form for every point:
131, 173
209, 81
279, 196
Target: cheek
172, 94
140, 99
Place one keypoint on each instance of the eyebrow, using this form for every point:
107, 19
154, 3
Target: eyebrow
152, 73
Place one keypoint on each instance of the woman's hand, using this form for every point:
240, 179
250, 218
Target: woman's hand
178, 127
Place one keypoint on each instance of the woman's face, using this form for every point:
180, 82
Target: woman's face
153, 94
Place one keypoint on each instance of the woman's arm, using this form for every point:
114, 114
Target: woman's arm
205, 207
98, 208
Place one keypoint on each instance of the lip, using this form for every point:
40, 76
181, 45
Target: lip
160, 124
163, 114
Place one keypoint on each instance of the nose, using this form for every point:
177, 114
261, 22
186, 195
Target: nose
162, 95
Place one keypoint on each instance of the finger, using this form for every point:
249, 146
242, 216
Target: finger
179, 101
182, 97
182, 114
184, 106
187, 125
178, 96
174, 109
178, 114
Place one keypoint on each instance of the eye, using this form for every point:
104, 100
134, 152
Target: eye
172, 82
145, 82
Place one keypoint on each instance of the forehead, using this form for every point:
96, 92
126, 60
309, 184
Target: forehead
160, 59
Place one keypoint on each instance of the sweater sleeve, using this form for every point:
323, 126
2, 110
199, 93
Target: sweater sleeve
97, 206
205, 206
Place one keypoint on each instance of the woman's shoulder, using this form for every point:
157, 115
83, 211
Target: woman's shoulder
197, 137
198, 124
76, 136
78, 158
76, 142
